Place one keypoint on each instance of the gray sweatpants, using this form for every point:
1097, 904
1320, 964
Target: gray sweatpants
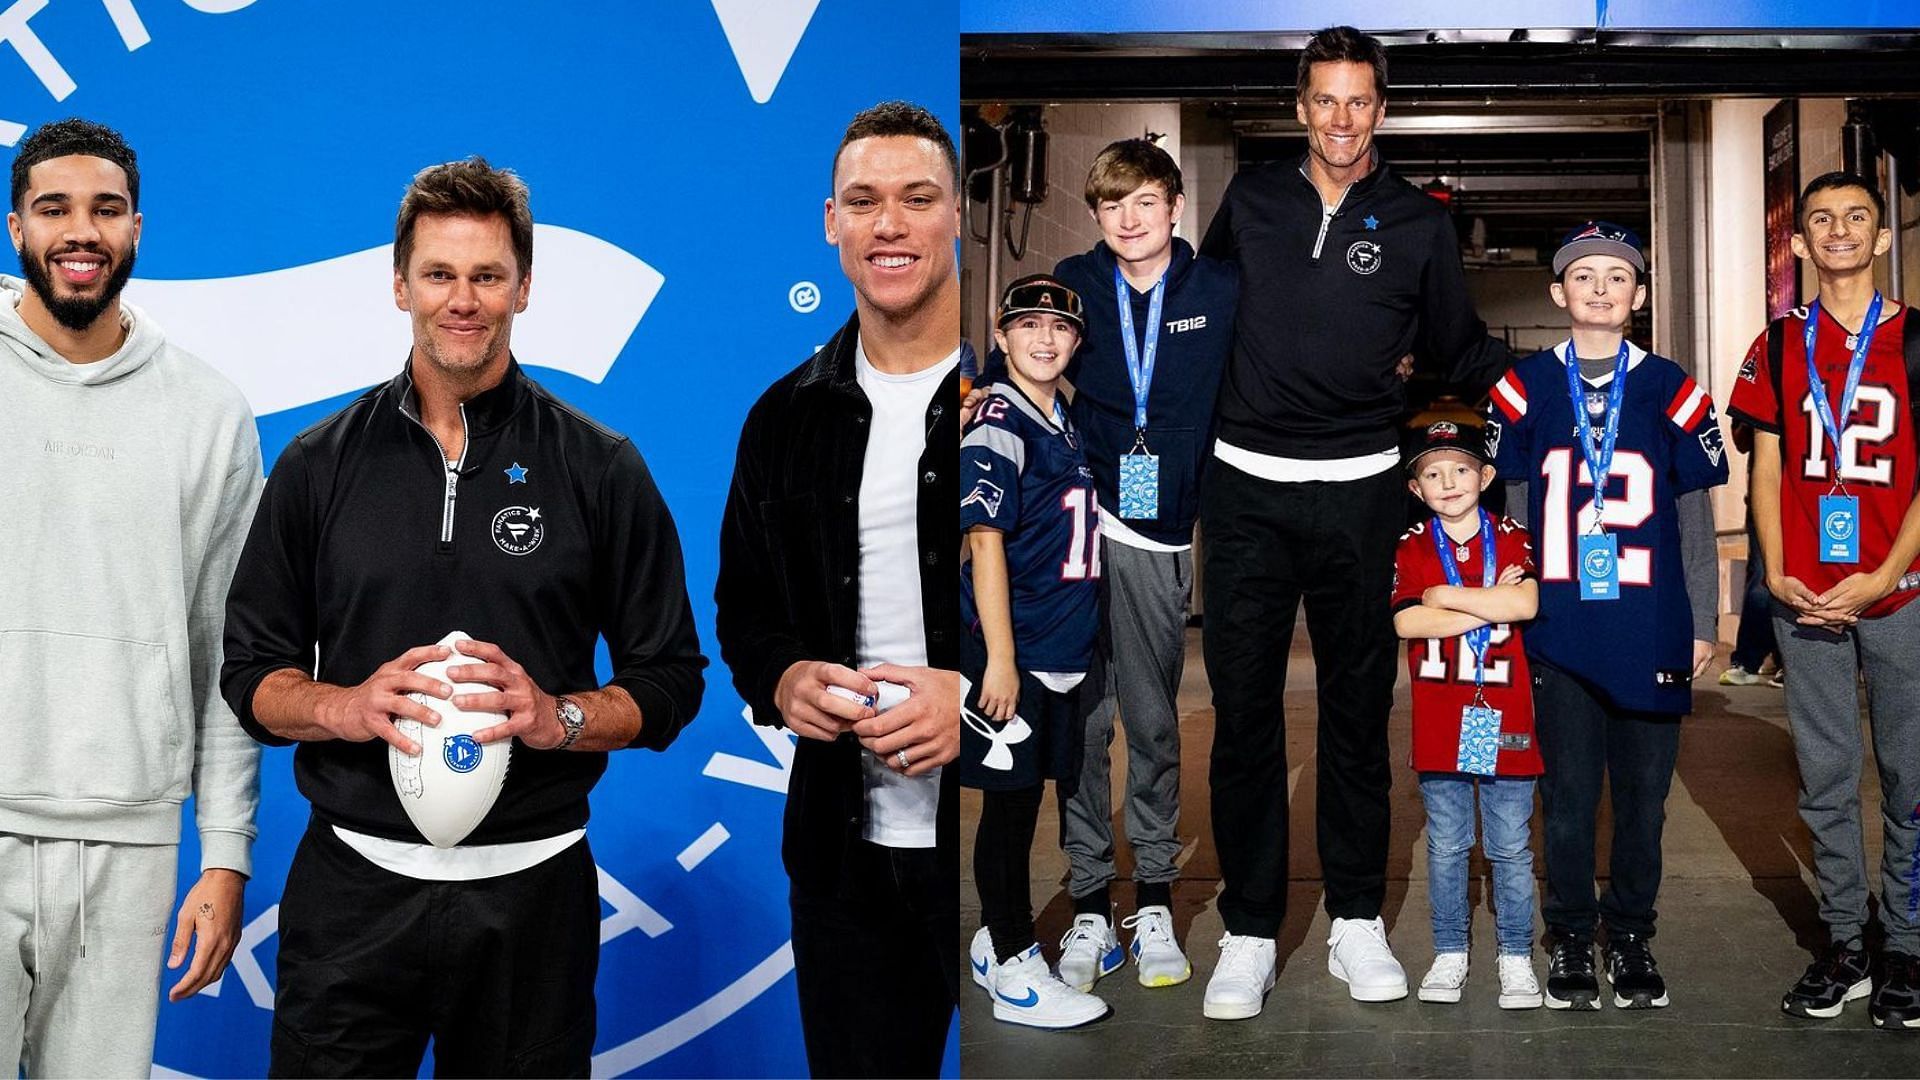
67, 1014
1144, 597
1822, 709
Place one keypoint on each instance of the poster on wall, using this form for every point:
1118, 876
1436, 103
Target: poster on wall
1780, 142
678, 154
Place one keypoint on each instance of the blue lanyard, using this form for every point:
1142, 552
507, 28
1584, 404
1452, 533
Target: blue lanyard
1599, 458
1817, 386
1139, 361
1479, 638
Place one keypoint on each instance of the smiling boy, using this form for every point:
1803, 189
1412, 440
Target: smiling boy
1829, 392
1628, 599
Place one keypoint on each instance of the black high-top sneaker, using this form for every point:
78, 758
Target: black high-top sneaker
1634, 975
1570, 980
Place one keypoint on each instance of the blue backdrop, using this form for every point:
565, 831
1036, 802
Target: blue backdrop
1161, 17
678, 152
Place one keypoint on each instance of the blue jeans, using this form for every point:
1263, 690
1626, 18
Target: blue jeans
1506, 805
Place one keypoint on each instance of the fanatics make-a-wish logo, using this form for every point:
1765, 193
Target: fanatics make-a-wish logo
518, 530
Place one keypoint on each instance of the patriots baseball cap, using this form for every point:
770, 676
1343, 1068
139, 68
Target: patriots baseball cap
1040, 293
1469, 439
1600, 238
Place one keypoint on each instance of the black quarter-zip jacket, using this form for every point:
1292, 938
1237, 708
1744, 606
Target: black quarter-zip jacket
1329, 303
546, 535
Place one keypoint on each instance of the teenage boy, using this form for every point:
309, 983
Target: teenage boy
1829, 392
1159, 331
1029, 608
1627, 599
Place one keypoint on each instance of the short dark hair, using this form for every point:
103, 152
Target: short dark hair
898, 118
63, 138
1343, 44
1122, 167
470, 188
1837, 179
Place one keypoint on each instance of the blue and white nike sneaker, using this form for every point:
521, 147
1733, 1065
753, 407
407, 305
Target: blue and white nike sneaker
1089, 952
1026, 991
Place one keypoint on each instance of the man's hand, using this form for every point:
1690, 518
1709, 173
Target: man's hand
926, 725
211, 913
367, 711
1702, 657
1794, 593
1842, 604
810, 710
532, 714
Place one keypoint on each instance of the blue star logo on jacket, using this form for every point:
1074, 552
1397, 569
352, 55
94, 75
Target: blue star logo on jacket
1370, 222
516, 473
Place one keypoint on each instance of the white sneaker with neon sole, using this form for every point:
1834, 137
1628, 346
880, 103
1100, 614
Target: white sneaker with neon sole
1157, 958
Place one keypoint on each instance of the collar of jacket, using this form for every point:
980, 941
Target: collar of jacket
485, 411
832, 367
1359, 188
1104, 259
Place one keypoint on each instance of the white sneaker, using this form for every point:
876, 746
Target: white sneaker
1241, 979
1362, 959
1735, 675
1518, 987
980, 959
1089, 952
1156, 954
1026, 991
1445, 978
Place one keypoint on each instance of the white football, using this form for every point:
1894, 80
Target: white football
449, 788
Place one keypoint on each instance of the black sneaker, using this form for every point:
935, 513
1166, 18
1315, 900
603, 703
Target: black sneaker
1634, 975
1838, 975
1570, 980
1896, 1001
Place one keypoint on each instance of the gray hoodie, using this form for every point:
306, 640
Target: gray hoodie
127, 487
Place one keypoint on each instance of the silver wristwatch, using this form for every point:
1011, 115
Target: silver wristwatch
571, 718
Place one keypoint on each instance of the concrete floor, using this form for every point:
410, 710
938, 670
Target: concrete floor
1737, 922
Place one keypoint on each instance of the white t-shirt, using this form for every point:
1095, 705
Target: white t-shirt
901, 810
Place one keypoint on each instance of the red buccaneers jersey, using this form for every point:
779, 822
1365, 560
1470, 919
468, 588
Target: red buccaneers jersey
1876, 460
1441, 669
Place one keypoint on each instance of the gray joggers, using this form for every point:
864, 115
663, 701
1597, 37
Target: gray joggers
1821, 709
67, 1014
1144, 597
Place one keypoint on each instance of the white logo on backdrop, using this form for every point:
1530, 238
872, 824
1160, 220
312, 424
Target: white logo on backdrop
308, 333
763, 35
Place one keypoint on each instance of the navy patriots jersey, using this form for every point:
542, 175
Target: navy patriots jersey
1637, 650
1024, 473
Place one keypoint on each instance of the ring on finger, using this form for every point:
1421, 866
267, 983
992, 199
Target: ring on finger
901, 757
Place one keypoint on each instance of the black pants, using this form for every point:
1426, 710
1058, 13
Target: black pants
498, 972
1583, 738
1002, 867
876, 964
1269, 546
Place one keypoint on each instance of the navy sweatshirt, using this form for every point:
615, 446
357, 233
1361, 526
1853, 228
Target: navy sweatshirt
1331, 304
1196, 337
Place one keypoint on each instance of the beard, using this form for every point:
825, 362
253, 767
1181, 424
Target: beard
76, 313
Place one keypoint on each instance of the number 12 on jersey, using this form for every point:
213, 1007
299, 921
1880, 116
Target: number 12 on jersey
1561, 525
